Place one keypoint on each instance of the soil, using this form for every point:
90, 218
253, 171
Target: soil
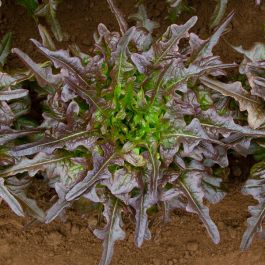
184, 240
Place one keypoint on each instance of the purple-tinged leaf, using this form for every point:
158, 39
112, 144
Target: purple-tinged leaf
119, 16
68, 170
190, 184
6, 114
17, 187
86, 93
67, 94
46, 38
6, 80
120, 57
254, 107
105, 40
62, 59
122, 182
218, 14
213, 154
134, 159
74, 73
213, 191
211, 65
191, 136
153, 172
44, 76
10, 199
142, 19
60, 205
167, 153
255, 186
52, 164
111, 232
225, 125
255, 54
206, 50
7, 135
141, 205
48, 10
13, 94
170, 39
142, 61
144, 29
93, 196
173, 199
48, 145
196, 44
258, 86
99, 171
32, 207
253, 67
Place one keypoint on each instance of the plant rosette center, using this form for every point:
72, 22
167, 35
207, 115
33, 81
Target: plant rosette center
133, 117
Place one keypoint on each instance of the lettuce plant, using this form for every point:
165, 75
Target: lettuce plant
176, 7
46, 9
137, 126
14, 105
219, 12
253, 68
250, 98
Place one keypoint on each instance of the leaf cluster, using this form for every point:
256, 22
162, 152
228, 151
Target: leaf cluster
141, 123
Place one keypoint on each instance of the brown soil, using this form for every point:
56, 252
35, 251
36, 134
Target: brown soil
184, 241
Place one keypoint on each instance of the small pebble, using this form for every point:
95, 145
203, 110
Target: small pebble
75, 229
54, 238
221, 225
192, 246
156, 262
233, 233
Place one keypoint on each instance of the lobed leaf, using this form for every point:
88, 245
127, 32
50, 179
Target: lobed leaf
141, 204
100, 171
48, 145
218, 14
7, 135
112, 231
48, 10
74, 73
254, 107
207, 47
255, 186
44, 76
119, 17
191, 187
13, 94
17, 188
60, 205
10, 199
